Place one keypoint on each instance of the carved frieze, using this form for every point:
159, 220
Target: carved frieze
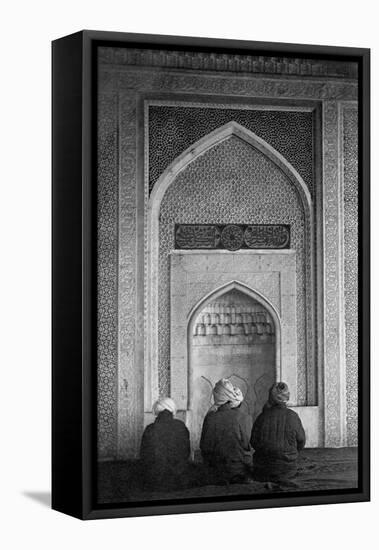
212, 61
127, 78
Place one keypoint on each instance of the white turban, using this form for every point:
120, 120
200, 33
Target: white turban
225, 392
164, 404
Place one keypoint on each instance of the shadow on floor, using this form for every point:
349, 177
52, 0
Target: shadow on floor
42, 497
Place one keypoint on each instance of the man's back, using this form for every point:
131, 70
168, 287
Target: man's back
225, 440
165, 450
166, 440
278, 432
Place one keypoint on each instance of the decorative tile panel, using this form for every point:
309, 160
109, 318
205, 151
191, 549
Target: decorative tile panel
174, 129
334, 360
107, 265
350, 186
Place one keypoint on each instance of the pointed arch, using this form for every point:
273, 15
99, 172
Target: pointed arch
152, 229
210, 297
214, 138
227, 287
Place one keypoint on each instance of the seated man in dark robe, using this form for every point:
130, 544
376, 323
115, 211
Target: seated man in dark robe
224, 443
165, 449
277, 437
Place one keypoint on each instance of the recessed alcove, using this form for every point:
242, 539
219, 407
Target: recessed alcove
200, 278
232, 337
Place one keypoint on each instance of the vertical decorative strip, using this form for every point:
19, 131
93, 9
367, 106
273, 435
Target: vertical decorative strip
107, 260
334, 357
130, 379
350, 204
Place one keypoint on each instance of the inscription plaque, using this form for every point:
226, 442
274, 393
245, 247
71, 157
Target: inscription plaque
232, 236
267, 236
197, 236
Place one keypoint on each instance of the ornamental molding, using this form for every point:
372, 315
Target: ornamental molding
334, 375
212, 61
144, 81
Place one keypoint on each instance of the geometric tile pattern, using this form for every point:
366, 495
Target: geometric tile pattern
173, 129
107, 260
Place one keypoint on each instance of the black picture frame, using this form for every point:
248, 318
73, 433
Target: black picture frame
74, 274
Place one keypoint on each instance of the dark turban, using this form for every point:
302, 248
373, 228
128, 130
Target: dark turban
278, 394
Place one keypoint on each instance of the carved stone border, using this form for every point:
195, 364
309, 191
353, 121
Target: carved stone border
130, 79
351, 358
212, 61
334, 342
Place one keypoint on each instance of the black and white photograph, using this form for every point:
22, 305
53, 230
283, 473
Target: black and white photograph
188, 285
227, 274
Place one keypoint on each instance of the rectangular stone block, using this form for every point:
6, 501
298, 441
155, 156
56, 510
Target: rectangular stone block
179, 306
309, 417
178, 336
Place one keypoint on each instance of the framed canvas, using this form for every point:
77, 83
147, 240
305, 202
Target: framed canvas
210, 275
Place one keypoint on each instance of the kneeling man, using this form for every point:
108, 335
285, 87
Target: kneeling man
165, 449
277, 438
224, 443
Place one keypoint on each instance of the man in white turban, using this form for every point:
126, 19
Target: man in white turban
164, 404
165, 449
225, 392
225, 437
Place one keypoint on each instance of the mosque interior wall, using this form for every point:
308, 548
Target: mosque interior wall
287, 157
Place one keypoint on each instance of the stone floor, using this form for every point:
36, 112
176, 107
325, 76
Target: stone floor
319, 469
